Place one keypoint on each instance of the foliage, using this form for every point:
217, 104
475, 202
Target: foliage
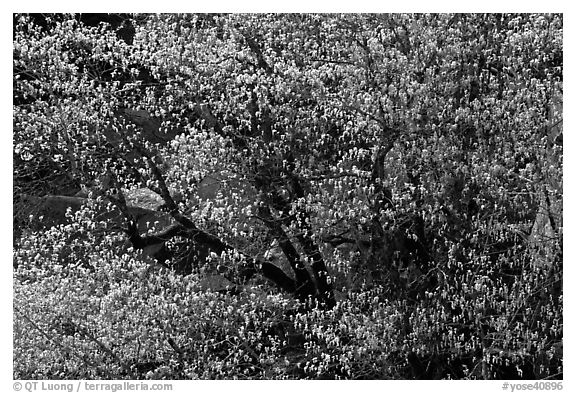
382, 192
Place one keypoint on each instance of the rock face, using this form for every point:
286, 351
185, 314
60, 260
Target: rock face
142, 203
51, 210
143, 198
546, 229
53, 207
226, 186
210, 186
215, 283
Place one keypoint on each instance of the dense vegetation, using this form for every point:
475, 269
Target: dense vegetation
287, 196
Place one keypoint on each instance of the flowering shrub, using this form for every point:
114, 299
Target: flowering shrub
125, 318
288, 196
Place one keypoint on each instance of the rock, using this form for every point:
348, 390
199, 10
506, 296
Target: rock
210, 185
150, 126
151, 251
227, 186
143, 204
275, 256
216, 283
143, 198
545, 230
51, 210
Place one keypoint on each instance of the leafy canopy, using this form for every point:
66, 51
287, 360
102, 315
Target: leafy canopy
399, 174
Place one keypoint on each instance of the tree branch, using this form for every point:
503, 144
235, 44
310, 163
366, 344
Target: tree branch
303, 278
247, 268
253, 45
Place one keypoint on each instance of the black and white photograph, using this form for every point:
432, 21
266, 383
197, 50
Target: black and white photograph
286, 196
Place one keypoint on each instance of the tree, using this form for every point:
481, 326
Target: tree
408, 156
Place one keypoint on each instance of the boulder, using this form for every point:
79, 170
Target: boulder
546, 230
50, 210
227, 186
143, 204
143, 198
216, 283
